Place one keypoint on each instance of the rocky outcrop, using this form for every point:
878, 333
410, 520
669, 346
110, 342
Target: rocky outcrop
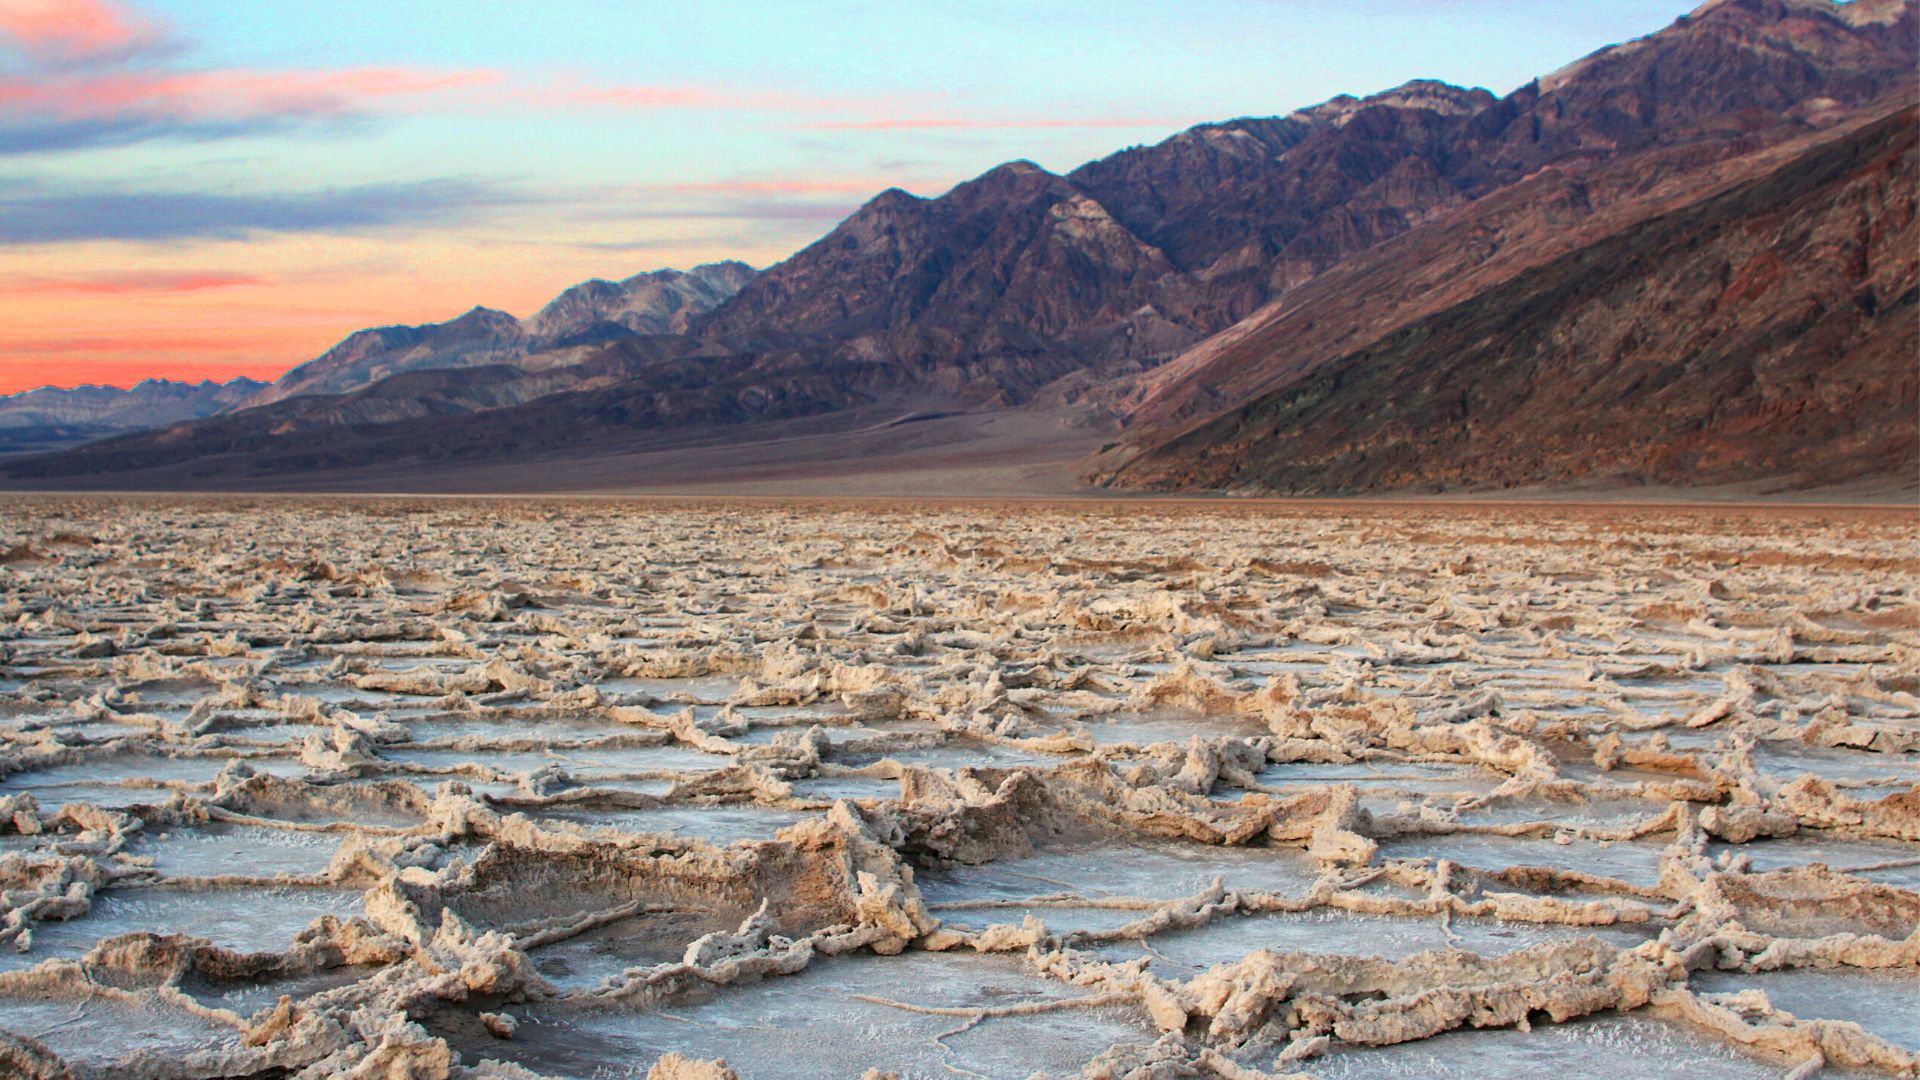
658, 302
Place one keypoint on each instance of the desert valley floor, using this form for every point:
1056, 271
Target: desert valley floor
432, 788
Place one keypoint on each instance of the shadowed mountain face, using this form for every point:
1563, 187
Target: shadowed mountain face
1768, 332
1251, 254
52, 417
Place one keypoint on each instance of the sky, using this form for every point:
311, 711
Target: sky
200, 189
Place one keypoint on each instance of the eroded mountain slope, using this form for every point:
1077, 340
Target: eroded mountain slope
1767, 334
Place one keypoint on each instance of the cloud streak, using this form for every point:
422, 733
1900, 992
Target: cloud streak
31, 214
997, 123
76, 31
133, 282
68, 112
90, 108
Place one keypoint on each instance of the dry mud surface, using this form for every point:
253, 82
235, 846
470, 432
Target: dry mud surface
608, 789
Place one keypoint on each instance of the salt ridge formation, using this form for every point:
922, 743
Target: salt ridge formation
440, 789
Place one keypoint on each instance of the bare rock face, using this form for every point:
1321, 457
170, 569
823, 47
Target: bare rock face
1238, 203
481, 336
989, 291
1767, 333
1020, 276
658, 302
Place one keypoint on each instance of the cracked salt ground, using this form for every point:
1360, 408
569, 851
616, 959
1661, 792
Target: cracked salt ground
1883, 1002
95, 1034
717, 824
244, 996
1634, 862
780, 1027
1874, 860
1188, 953
243, 919
1158, 870
237, 851
1230, 791
1603, 1047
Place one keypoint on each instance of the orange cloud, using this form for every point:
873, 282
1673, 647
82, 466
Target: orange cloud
74, 30
144, 342
124, 358
124, 373
134, 282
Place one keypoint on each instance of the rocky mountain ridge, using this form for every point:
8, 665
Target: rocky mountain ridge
591, 313
1784, 350
52, 416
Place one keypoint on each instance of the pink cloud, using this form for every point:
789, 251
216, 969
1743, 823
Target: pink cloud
863, 185
689, 96
141, 343
134, 282
231, 93
75, 30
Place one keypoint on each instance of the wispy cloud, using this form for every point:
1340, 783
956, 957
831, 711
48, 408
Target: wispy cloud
579, 93
788, 186
773, 199
92, 81
233, 91
998, 123
74, 111
146, 342
93, 108
77, 31
33, 214
132, 282
97, 84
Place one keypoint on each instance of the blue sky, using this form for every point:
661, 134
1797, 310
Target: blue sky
192, 187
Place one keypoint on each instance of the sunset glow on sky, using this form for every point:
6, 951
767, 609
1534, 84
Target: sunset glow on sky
201, 188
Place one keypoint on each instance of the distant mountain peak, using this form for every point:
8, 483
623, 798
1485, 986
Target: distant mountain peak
592, 312
51, 417
1429, 94
651, 302
1774, 30
1854, 13
1012, 174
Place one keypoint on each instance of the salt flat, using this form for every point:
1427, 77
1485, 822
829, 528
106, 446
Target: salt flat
443, 788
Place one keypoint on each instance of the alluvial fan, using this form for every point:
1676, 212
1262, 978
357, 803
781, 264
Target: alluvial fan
599, 788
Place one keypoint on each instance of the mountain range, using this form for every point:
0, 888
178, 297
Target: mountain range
1688, 259
54, 416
